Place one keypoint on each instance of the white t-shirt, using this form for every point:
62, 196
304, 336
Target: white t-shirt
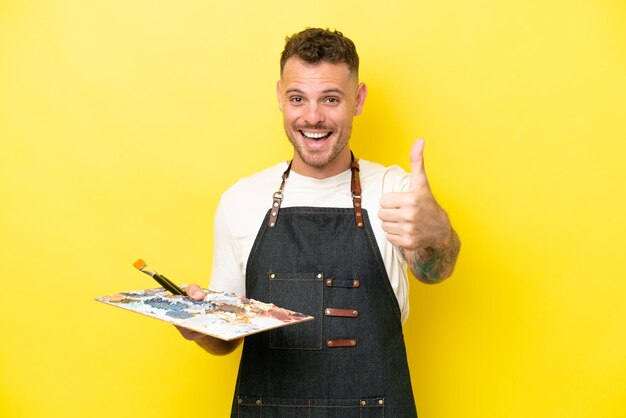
243, 207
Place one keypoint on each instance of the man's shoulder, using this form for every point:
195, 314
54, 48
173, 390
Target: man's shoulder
377, 168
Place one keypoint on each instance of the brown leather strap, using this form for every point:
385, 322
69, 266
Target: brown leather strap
355, 188
348, 342
356, 192
278, 198
346, 313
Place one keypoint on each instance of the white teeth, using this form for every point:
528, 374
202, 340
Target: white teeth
314, 135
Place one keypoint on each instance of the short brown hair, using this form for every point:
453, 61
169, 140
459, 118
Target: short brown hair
314, 45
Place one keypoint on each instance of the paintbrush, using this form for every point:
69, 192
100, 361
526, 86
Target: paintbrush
162, 280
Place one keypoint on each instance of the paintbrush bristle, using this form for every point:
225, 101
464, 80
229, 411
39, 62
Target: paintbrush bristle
139, 264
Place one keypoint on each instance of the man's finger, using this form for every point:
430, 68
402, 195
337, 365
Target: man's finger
392, 228
195, 292
395, 200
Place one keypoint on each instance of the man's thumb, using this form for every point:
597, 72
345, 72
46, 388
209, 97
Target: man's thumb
418, 173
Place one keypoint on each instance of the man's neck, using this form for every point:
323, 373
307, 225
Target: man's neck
338, 165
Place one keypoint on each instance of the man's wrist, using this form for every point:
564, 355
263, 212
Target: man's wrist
445, 241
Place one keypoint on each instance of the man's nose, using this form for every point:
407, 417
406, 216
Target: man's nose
313, 114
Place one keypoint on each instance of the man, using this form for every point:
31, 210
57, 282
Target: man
330, 236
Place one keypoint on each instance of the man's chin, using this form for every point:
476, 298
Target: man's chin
318, 158
315, 161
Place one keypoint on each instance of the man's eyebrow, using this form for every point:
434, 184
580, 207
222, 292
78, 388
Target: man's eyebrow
333, 90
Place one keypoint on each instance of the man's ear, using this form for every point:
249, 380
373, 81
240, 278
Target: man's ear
279, 95
361, 95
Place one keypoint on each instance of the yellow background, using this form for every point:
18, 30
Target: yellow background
121, 122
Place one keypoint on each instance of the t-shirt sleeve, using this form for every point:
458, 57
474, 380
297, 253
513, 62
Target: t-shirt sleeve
403, 182
226, 273
397, 180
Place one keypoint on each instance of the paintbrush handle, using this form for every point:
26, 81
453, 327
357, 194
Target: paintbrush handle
169, 285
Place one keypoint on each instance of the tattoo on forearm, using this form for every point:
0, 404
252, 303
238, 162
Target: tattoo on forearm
426, 264
434, 265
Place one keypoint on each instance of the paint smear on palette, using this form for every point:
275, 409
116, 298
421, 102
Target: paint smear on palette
224, 315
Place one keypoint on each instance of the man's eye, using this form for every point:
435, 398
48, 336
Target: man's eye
332, 100
296, 99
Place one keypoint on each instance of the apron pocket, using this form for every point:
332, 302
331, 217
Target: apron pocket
311, 408
300, 292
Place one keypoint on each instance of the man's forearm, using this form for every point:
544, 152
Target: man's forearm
433, 265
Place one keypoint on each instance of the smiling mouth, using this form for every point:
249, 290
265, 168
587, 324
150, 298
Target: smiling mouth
316, 136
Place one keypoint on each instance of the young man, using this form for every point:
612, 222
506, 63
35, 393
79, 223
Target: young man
330, 236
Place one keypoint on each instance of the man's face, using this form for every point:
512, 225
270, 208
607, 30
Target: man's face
318, 102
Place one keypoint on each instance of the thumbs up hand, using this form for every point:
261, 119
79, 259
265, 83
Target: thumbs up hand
413, 220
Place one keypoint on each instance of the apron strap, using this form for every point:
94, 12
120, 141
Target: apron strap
355, 188
356, 192
278, 198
